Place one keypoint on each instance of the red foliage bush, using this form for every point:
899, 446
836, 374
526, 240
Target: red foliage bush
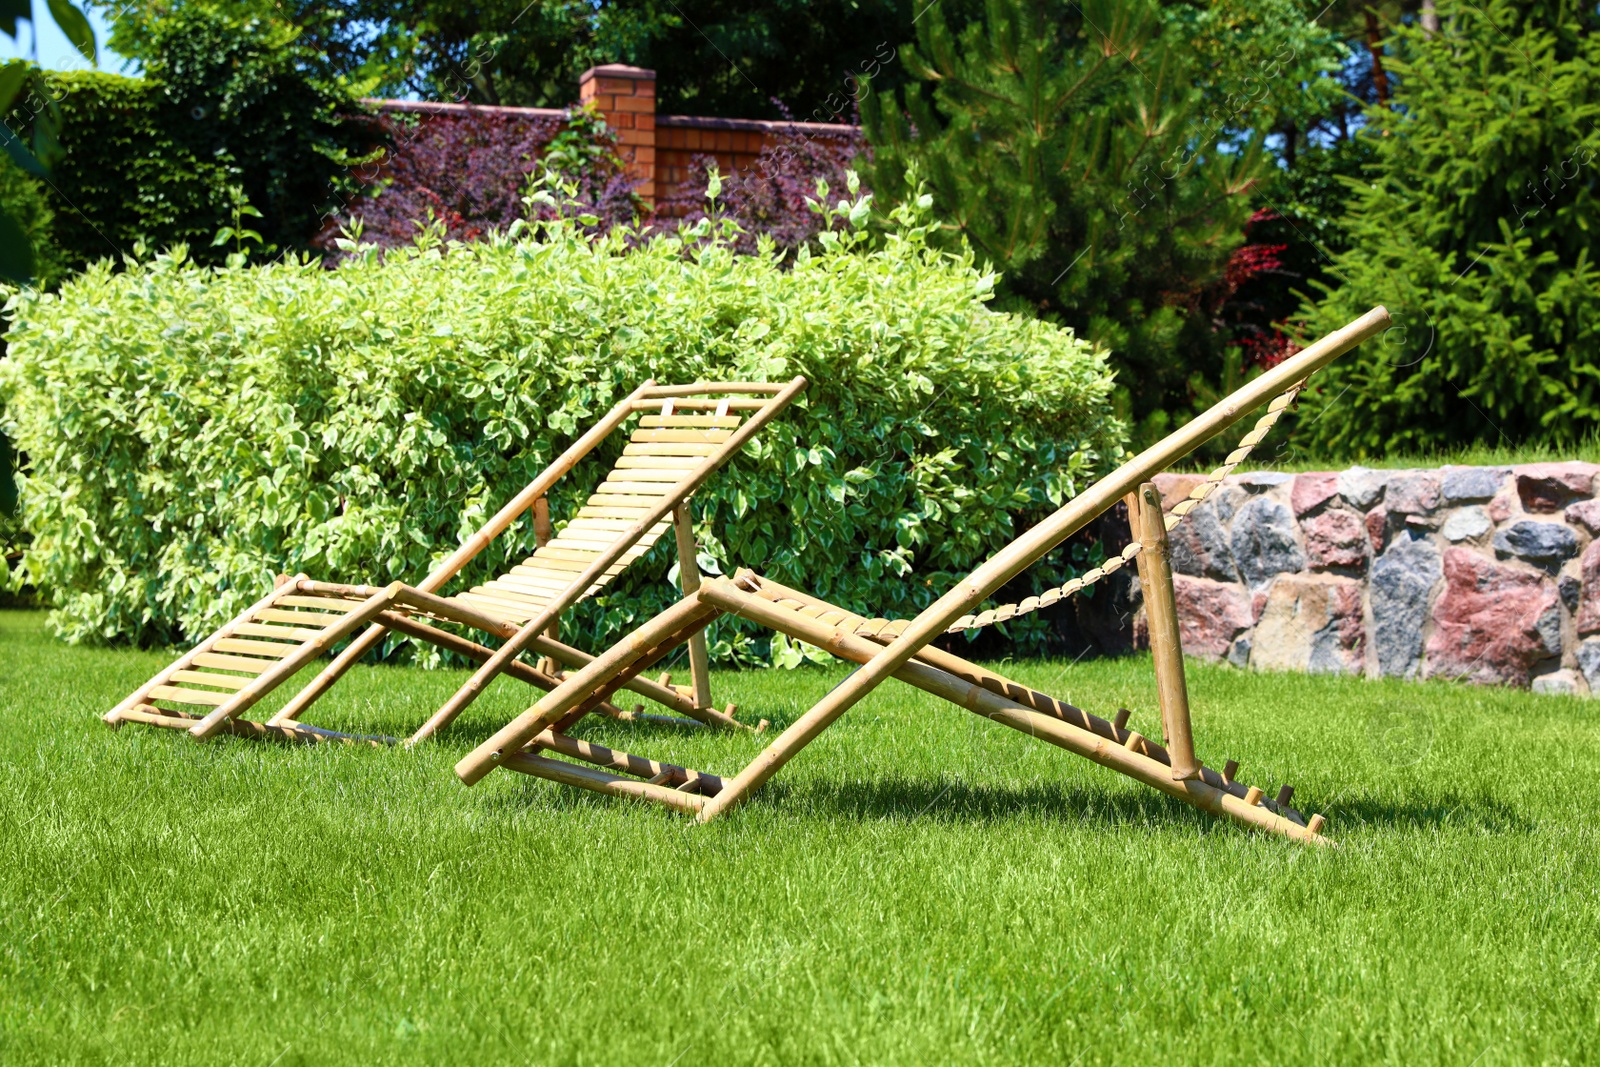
771, 197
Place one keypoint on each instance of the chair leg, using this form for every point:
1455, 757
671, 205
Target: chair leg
1161, 615
689, 576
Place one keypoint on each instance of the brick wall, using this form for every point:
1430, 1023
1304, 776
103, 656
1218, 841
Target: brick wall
658, 150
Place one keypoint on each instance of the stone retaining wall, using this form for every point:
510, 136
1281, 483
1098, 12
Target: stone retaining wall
1486, 574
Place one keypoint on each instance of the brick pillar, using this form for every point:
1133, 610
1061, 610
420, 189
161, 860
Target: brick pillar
626, 96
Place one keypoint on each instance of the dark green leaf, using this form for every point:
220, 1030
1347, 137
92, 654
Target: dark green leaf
13, 76
10, 12
76, 26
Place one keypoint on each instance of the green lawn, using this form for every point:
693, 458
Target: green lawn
1283, 455
920, 886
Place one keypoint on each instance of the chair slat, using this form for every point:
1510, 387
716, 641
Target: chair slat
287, 633
498, 608
663, 475
615, 486
326, 603
698, 437
318, 619
189, 696
221, 681
654, 448
609, 499
590, 512
640, 461
726, 422
232, 663
256, 648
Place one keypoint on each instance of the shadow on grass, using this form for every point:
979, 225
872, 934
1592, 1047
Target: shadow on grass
951, 799
954, 801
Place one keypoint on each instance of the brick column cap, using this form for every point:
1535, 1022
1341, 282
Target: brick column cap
617, 70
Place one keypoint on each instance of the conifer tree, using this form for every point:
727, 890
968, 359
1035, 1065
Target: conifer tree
1067, 143
1476, 225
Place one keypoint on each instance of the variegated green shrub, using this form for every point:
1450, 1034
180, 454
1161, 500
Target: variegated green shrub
192, 431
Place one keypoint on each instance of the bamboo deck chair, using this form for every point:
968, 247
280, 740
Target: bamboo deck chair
903, 649
684, 435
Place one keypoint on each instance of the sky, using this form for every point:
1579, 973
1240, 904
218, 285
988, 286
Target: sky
54, 52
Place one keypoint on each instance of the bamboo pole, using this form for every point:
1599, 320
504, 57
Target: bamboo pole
1031, 546
286, 667
612, 760
184, 662
683, 488
578, 686
602, 782
1166, 645
541, 537
150, 715
689, 578
1127, 760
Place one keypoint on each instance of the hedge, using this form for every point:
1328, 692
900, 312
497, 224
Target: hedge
193, 431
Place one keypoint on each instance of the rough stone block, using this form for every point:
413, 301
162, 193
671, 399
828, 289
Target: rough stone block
1585, 513
1200, 546
1378, 528
1466, 524
1547, 487
1413, 493
1471, 485
1210, 614
1589, 664
1570, 590
1537, 542
1312, 622
1401, 581
1589, 595
1311, 491
1175, 487
1361, 486
1263, 541
1560, 683
1336, 539
1494, 622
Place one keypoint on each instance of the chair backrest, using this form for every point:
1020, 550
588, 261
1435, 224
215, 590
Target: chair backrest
680, 429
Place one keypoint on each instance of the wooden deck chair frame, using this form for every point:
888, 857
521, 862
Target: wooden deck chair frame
685, 434
904, 651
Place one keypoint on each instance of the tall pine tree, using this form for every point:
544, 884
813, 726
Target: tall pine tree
1068, 144
1476, 225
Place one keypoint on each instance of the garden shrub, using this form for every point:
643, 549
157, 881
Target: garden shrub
193, 431
224, 103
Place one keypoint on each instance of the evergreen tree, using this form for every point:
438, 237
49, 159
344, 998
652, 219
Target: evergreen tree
1071, 145
1475, 225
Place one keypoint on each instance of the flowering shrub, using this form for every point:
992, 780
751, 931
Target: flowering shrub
193, 431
